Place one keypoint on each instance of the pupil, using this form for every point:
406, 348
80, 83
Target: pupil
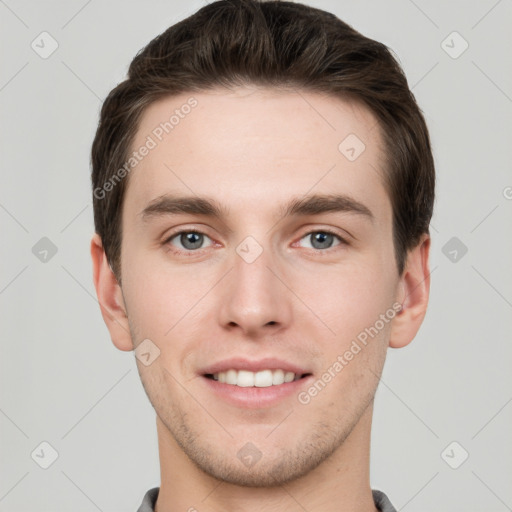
321, 240
191, 240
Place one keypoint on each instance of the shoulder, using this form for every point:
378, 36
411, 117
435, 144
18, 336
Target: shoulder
148, 503
382, 501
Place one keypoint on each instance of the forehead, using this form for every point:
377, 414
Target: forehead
256, 147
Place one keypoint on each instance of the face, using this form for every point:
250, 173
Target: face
242, 279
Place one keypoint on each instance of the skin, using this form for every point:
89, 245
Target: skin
252, 150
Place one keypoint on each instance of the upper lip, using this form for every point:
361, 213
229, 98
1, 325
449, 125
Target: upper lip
268, 363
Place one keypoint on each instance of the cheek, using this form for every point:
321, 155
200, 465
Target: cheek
351, 305
146, 286
349, 298
164, 303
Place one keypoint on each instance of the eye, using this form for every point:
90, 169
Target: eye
188, 240
322, 239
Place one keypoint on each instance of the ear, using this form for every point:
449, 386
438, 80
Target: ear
413, 289
110, 297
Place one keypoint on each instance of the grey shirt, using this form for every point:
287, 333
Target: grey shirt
148, 503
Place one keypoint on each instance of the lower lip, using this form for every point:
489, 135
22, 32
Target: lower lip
253, 397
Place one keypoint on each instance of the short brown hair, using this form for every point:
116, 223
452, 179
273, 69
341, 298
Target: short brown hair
274, 44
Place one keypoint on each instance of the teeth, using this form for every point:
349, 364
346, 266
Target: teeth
261, 379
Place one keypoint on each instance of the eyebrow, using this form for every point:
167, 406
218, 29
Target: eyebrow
173, 205
326, 203
309, 205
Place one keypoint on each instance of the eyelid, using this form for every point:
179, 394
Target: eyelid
191, 228
343, 240
167, 239
179, 231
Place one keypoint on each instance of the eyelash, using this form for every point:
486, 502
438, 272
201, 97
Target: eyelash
342, 241
191, 252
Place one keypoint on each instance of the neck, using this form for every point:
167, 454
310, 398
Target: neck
339, 484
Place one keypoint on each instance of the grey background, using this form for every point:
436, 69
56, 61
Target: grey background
62, 380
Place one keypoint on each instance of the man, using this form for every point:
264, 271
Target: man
263, 184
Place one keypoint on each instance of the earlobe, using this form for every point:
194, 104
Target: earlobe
414, 289
110, 297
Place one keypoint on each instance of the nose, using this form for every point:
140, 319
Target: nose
254, 297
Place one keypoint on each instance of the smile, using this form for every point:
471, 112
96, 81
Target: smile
260, 379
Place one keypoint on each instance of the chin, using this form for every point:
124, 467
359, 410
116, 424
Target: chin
273, 465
